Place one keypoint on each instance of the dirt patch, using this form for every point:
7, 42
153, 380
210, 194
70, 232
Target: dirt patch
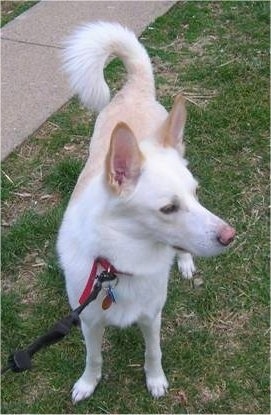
207, 394
26, 173
199, 47
168, 83
36, 390
179, 396
226, 321
228, 327
47, 130
7, 7
24, 280
24, 201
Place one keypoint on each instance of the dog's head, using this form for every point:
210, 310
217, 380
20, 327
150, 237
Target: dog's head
153, 187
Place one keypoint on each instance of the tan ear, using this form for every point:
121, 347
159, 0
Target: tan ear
124, 159
174, 125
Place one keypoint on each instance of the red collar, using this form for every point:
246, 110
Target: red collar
105, 264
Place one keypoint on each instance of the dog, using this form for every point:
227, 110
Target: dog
135, 203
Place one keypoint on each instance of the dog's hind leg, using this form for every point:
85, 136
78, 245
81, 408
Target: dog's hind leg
87, 383
186, 264
157, 383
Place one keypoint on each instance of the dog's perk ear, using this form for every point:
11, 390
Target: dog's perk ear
173, 128
124, 159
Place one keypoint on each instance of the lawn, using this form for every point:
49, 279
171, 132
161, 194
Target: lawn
215, 336
12, 9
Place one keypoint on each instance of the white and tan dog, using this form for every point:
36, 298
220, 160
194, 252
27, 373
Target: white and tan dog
135, 202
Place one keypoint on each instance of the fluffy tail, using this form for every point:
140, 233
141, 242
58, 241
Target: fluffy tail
86, 53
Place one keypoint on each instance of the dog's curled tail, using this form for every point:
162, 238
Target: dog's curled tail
85, 56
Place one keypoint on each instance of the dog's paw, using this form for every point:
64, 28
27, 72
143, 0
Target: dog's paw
186, 265
157, 386
82, 390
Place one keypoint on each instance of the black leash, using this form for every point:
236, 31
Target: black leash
20, 360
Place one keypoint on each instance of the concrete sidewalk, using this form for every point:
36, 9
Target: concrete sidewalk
33, 85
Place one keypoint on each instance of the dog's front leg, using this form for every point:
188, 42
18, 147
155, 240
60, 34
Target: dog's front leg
85, 386
186, 264
157, 383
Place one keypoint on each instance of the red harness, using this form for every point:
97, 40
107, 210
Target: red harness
93, 273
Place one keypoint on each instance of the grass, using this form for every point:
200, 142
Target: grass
215, 338
12, 9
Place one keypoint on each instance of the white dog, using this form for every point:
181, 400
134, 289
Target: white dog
134, 205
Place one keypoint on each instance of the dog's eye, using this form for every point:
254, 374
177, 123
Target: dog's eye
170, 208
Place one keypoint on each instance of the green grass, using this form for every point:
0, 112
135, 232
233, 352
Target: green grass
12, 9
215, 338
